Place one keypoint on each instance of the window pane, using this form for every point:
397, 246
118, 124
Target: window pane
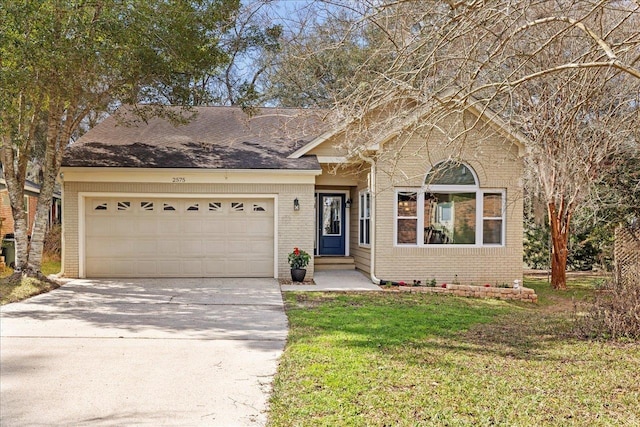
450, 218
331, 215
450, 173
407, 231
492, 205
464, 226
364, 205
366, 231
367, 205
492, 232
407, 204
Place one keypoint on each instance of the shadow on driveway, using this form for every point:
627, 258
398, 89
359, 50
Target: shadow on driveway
152, 351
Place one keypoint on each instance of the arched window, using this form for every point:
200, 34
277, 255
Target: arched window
450, 173
450, 209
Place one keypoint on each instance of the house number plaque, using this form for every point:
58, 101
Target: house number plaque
178, 179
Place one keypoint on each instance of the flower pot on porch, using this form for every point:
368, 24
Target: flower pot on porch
297, 274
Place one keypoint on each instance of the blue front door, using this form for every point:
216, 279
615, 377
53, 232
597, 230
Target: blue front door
331, 211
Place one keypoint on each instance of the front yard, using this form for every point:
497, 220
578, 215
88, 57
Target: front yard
12, 290
421, 359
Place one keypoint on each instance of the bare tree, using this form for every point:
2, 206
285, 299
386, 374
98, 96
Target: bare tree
577, 126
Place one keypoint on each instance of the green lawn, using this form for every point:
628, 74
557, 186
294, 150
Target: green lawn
417, 359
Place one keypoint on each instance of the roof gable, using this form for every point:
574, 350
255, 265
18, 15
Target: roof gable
449, 97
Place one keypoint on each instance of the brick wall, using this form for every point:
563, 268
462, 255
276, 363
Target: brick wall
6, 213
497, 165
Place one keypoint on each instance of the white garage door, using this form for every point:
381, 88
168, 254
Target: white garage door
156, 237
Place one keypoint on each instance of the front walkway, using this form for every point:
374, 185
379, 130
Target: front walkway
338, 280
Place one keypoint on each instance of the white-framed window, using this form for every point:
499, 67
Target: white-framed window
450, 209
407, 217
364, 218
25, 200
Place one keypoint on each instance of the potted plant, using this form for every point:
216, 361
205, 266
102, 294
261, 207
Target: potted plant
298, 260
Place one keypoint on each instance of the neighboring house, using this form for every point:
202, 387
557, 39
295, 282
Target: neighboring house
31, 192
230, 196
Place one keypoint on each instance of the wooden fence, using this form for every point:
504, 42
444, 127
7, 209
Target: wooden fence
627, 253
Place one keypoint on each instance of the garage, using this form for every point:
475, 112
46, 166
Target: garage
219, 195
179, 237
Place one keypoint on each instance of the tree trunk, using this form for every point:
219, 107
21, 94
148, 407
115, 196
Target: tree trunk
559, 224
52, 160
59, 130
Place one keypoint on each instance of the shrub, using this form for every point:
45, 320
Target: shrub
52, 242
615, 313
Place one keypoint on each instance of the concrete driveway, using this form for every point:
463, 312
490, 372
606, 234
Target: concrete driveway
182, 352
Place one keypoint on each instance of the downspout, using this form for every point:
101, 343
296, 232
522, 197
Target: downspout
62, 227
372, 230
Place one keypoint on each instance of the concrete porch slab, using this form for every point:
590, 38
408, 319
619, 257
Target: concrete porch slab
336, 280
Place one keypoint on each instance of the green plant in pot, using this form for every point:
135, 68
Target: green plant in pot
298, 260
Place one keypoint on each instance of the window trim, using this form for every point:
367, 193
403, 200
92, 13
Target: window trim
364, 196
480, 192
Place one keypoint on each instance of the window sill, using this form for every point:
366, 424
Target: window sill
448, 246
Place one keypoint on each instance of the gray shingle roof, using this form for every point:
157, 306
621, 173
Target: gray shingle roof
217, 138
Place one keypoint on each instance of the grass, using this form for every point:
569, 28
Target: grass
12, 290
422, 360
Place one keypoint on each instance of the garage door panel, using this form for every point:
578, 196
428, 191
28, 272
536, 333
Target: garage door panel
239, 246
215, 248
167, 247
213, 226
192, 267
154, 237
259, 265
147, 225
169, 225
169, 267
213, 266
120, 225
101, 267
146, 267
191, 247
192, 225
106, 247
147, 247
240, 268
100, 226
237, 225
262, 246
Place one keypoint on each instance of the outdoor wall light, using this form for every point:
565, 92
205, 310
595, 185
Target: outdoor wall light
296, 204
348, 203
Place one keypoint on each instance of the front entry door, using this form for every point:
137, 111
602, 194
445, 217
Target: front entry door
331, 224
